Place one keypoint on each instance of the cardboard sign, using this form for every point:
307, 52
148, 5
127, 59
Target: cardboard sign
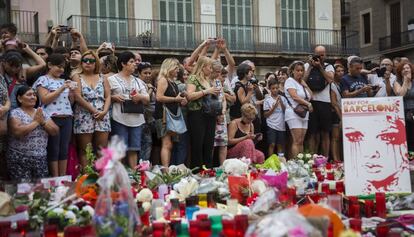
375, 146
55, 181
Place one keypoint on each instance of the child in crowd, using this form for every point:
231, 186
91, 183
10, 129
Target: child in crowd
274, 107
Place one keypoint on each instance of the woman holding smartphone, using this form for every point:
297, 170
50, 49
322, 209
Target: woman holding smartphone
242, 137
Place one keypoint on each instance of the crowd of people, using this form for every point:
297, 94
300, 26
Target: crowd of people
197, 112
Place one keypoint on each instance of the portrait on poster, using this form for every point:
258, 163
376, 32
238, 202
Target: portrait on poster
375, 146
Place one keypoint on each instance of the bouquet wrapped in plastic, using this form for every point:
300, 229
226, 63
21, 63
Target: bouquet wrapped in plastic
116, 213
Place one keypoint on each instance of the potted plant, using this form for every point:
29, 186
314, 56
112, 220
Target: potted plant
411, 29
145, 38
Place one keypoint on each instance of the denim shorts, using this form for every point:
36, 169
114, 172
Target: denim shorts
276, 137
130, 135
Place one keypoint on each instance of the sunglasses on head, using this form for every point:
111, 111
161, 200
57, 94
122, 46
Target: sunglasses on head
145, 64
88, 60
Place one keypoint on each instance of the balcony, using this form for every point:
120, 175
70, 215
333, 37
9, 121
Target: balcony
155, 35
27, 23
397, 42
345, 10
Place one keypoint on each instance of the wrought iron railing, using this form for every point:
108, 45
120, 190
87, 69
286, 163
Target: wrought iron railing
396, 40
127, 32
27, 23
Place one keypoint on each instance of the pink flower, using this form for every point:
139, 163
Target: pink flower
144, 165
106, 157
297, 232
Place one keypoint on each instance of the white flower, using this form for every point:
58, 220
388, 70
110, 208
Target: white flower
145, 195
89, 209
315, 156
186, 187
306, 166
258, 186
73, 208
300, 156
311, 162
58, 210
146, 206
71, 217
235, 167
308, 156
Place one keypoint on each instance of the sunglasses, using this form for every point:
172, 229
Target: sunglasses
145, 64
88, 60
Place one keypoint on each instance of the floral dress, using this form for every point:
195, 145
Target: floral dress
27, 156
84, 122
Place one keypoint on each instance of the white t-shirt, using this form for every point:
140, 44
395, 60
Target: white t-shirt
379, 81
276, 120
300, 91
119, 87
323, 95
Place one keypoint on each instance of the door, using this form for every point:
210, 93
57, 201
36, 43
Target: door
395, 24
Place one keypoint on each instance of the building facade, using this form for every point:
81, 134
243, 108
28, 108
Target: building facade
270, 32
384, 27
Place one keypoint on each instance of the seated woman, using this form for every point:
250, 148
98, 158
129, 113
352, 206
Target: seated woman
242, 137
29, 130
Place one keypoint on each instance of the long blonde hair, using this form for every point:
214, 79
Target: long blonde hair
198, 70
168, 65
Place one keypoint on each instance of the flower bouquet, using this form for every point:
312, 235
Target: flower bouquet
116, 213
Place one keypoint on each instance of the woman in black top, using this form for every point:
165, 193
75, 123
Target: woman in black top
168, 96
243, 90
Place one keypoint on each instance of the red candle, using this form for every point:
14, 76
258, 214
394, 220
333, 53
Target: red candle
158, 229
229, 228
241, 225
382, 230
340, 187
325, 188
50, 231
355, 224
204, 228
72, 231
292, 194
369, 208
193, 230
356, 210
380, 205
202, 217
330, 176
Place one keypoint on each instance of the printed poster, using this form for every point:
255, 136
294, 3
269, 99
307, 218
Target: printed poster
375, 146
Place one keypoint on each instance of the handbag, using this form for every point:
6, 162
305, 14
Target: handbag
174, 122
300, 110
128, 106
211, 104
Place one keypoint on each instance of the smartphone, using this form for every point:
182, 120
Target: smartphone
315, 57
64, 29
108, 45
381, 71
257, 136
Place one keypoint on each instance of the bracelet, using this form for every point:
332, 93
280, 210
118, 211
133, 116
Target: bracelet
202, 92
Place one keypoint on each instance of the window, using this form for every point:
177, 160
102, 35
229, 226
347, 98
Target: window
366, 28
108, 21
237, 23
295, 24
177, 27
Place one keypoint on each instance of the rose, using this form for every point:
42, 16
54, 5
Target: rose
308, 156
300, 156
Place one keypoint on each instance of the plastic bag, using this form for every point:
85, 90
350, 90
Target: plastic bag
116, 213
285, 223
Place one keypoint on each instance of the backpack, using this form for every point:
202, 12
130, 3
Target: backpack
316, 81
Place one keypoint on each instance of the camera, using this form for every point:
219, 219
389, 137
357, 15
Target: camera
381, 71
316, 57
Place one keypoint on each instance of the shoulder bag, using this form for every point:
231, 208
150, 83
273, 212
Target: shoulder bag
300, 110
128, 106
174, 122
211, 105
